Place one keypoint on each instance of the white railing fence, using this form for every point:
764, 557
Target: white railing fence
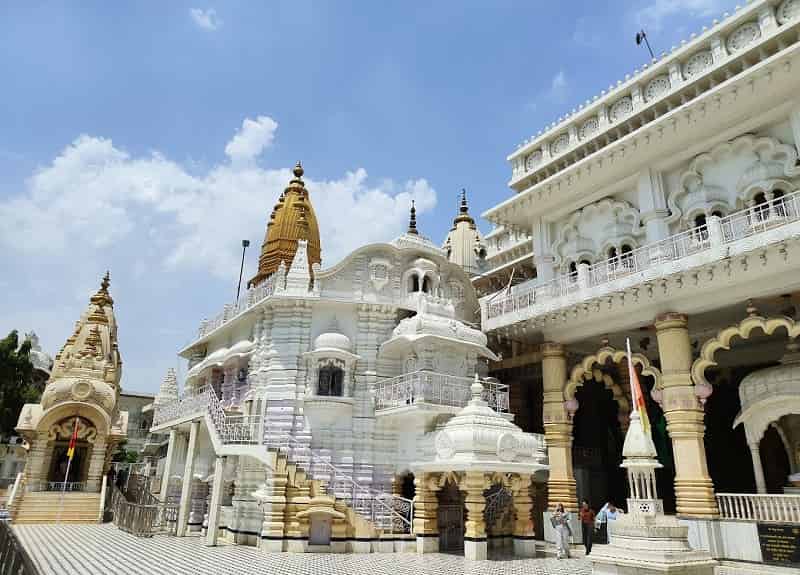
436, 388
391, 513
250, 298
772, 508
717, 232
386, 511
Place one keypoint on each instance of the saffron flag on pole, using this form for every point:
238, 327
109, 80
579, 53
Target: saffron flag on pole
73, 440
639, 404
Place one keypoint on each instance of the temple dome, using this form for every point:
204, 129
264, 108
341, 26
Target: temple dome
292, 219
332, 340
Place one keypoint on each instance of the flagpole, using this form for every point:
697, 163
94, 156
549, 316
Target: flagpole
70, 453
634, 391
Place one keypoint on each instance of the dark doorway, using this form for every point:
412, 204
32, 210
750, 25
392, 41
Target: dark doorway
451, 519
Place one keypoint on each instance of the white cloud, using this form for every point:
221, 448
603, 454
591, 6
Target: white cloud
653, 16
559, 86
95, 197
206, 19
254, 137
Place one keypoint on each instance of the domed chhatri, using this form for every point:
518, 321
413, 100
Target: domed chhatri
292, 219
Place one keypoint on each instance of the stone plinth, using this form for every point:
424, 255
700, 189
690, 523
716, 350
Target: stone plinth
639, 545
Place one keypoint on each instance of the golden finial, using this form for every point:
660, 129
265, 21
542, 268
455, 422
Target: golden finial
412, 221
106, 282
298, 170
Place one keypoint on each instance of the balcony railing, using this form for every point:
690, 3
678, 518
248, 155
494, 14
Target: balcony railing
191, 402
670, 255
250, 298
438, 389
772, 508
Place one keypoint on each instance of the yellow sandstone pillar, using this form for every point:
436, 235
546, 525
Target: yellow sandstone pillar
694, 490
524, 532
475, 544
426, 512
557, 429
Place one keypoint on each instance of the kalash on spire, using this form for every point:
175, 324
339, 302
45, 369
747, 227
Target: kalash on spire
292, 219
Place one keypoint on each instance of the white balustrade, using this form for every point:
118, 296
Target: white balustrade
250, 298
436, 388
669, 255
389, 512
772, 508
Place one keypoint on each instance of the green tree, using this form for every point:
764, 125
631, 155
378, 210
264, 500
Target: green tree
16, 388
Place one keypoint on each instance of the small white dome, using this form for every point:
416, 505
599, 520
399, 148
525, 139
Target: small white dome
332, 340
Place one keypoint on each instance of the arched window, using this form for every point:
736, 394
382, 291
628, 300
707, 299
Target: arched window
586, 262
330, 381
699, 220
612, 253
760, 206
426, 284
414, 279
717, 213
573, 268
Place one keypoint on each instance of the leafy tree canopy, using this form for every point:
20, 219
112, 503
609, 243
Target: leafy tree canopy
16, 388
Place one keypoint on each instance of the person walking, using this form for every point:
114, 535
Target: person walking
560, 521
608, 512
587, 525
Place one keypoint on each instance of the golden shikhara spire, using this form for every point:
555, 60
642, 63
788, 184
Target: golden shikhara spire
292, 219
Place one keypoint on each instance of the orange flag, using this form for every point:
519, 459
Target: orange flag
639, 404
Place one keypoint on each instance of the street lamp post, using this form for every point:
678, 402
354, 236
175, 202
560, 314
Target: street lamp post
245, 245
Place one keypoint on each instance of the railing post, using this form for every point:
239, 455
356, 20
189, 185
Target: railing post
715, 235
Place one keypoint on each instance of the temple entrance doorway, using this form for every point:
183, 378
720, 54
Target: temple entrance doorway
451, 519
60, 461
597, 446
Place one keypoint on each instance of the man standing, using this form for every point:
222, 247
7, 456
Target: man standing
587, 525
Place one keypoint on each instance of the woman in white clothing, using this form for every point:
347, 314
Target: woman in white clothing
560, 520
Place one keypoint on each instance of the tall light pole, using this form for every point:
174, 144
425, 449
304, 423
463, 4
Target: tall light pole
245, 245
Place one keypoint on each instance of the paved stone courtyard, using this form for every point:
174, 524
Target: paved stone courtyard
105, 550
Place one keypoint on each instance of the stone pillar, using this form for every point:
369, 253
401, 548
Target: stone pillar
758, 468
694, 490
94, 476
37, 465
426, 512
474, 484
524, 532
172, 451
557, 429
186, 487
274, 508
216, 497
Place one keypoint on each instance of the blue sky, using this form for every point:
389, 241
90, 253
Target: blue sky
151, 137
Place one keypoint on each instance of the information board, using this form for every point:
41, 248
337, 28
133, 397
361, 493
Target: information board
780, 543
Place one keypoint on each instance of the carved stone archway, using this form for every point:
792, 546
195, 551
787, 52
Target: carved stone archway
743, 329
587, 369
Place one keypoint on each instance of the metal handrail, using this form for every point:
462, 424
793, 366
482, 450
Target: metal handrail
250, 430
385, 510
144, 519
14, 558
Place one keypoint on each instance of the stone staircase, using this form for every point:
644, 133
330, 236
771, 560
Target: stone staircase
387, 513
48, 507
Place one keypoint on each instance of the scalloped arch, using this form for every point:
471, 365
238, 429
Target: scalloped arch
623, 212
586, 369
767, 149
743, 330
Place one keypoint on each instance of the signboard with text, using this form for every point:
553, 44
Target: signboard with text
780, 543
